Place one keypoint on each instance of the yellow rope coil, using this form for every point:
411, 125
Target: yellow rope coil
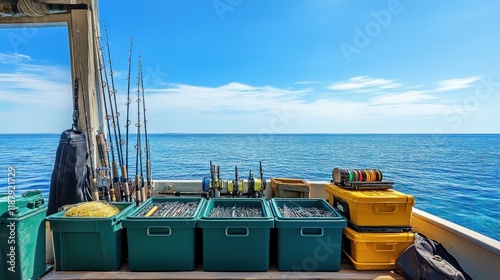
95, 209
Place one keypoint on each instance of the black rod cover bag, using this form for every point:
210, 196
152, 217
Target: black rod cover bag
428, 259
70, 182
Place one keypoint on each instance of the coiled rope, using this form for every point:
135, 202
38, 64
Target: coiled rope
95, 209
33, 8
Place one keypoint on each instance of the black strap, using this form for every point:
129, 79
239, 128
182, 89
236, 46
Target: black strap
76, 112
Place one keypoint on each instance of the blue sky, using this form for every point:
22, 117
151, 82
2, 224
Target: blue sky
260, 66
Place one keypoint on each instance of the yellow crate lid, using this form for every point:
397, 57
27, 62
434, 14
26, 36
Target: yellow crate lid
370, 196
378, 237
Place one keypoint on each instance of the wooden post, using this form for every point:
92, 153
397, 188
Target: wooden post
82, 54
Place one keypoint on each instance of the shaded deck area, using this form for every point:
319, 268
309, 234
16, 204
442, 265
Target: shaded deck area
347, 271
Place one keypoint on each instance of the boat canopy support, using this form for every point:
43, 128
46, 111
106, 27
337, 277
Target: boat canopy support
81, 22
78, 16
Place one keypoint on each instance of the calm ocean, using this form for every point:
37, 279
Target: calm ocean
455, 177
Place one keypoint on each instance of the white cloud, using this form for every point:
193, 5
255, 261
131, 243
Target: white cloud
122, 74
307, 83
237, 107
237, 87
402, 98
364, 82
459, 83
45, 91
229, 97
34, 98
44, 87
13, 58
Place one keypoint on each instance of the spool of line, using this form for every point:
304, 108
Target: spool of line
374, 175
205, 184
257, 185
352, 176
368, 175
360, 175
340, 175
230, 186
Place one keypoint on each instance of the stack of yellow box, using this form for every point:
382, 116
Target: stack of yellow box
379, 227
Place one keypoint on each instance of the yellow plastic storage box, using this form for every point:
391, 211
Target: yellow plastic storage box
374, 251
372, 208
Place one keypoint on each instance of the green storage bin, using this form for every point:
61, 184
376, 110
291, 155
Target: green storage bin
236, 243
93, 244
22, 236
162, 244
308, 243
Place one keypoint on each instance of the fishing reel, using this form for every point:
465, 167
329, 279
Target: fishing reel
235, 187
256, 186
103, 183
212, 186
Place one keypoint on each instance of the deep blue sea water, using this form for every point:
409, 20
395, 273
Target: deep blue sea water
456, 177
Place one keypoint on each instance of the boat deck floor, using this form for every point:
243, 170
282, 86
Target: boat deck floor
347, 271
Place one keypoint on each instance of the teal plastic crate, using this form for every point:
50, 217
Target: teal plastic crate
93, 244
22, 236
239, 243
162, 244
308, 243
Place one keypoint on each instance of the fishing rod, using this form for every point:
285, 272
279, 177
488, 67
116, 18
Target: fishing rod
128, 101
236, 183
102, 173
138, 156
116, 124
143, 190
213, 181
256, 186
115, 190
101, 148
262, 176
235, 188
218, 183
90, 145
146, 138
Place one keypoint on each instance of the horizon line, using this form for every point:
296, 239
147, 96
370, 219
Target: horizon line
288, 133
